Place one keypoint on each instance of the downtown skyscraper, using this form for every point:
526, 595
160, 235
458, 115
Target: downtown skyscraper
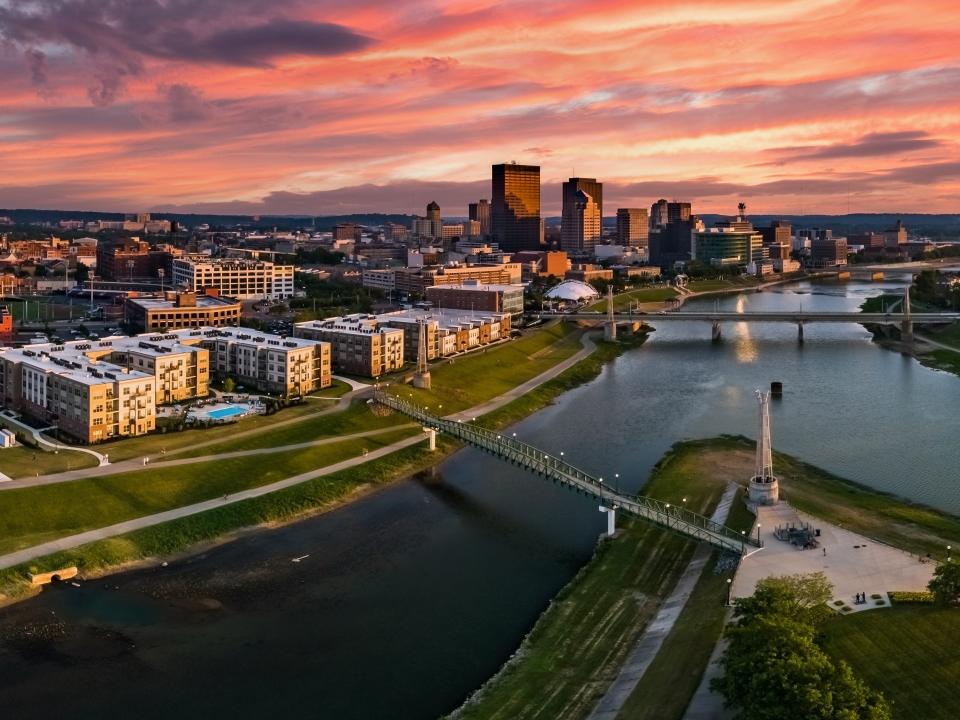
515, 210
582, 218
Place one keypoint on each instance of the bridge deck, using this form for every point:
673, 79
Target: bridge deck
655, 511
791, 317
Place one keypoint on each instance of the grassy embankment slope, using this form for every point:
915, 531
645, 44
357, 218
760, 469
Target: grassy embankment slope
578, 645
544, 348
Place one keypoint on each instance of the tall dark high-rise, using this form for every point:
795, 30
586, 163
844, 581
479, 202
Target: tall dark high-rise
678, 211
574, 236
480, 211
658, 214
515, 210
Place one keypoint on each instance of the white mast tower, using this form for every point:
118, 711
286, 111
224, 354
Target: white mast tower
764, 489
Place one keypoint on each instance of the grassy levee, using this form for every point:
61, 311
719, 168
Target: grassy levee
468, 381
179, 535
357, 418
622, 300
908, 651
33, 515
579, 374
579, 643
21, 461
714, 284
152, 445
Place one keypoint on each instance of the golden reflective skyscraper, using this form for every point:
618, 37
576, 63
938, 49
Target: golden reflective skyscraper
515, 210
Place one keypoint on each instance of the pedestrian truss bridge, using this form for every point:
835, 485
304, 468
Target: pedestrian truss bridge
550, 467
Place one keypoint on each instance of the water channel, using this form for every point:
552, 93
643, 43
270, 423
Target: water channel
412, 597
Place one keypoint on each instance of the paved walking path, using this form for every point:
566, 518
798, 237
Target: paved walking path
656, 632
67, 543
38, 436
930, 341
705, 703
136, 465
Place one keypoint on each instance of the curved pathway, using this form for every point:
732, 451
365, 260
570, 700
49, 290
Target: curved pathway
72, 541
38, 436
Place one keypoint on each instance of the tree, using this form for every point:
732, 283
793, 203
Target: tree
40, 271
945, 584
229, 385
82, 273
798, 597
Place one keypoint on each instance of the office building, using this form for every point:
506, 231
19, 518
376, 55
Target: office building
589, 185
176, 310
678, 211
732, 242
633, 229
474, 295
240, 279
347, 231
776, 238
580, 225
480, 212
673, 243
829, 251
515, 210
132, 259
658, 214
542, 263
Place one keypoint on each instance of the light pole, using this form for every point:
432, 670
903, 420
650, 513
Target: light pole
729, 585
616, 483
600, 481
948, 552
758, 532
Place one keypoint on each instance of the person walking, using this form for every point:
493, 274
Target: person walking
824, 552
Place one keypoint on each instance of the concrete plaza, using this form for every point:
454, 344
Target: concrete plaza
852, 563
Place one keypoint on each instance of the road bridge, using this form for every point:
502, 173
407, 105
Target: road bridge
556, 469
904, 318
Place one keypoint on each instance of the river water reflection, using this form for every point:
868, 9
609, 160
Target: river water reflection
411, 598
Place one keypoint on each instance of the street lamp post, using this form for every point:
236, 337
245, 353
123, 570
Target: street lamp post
729, 585
758, 532
600, 481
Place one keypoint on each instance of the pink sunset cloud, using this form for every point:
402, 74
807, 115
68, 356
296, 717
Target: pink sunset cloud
295, 106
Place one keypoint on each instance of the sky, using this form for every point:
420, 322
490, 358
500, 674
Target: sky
332, 106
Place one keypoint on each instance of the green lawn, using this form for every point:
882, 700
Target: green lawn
622, 300
909, 652
151, 445
480, 376
357, 418
714, 284
21, 461
29, 516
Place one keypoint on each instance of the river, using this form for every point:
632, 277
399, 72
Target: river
412, 597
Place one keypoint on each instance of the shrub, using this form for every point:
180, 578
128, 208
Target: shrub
911, 597
876, 596
838, 603
880, 602
846, 608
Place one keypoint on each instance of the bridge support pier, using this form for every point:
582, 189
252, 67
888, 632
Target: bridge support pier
715, 332
800, 331
431, 438
610, 331
611, 519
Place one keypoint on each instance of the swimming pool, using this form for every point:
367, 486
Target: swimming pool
225, 412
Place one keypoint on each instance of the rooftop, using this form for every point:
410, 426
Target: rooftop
204, 302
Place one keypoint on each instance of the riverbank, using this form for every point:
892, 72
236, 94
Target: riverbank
557, 662
312, 497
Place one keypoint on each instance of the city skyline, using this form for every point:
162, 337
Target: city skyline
285, 107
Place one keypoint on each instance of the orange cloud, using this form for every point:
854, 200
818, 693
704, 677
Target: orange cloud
811, 105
